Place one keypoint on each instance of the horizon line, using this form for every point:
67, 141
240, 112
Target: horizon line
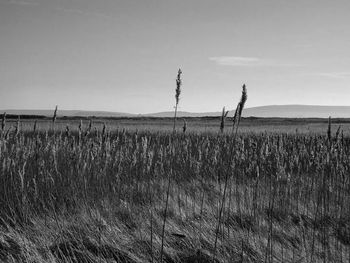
163, 111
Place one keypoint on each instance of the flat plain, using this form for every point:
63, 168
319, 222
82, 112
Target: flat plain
193, 124
131, 190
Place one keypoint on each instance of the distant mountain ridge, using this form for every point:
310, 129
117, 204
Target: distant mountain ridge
298, 111
69, 113
279, 111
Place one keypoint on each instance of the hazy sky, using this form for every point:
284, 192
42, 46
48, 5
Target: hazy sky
123, 55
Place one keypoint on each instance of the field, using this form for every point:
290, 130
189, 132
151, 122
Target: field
194, 125
133, 191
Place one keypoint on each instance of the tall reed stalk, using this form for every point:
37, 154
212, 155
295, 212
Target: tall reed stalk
238, 114
54, 117
177, 97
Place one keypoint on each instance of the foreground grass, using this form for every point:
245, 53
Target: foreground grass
100, 197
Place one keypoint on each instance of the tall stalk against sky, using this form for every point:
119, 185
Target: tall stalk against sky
177, 94
54, 117
237, 117
239, 109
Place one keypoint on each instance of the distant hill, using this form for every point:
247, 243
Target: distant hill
298, 111
69, 113
180, 114
281, 111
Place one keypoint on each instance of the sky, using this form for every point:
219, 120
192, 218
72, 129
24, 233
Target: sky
123, 56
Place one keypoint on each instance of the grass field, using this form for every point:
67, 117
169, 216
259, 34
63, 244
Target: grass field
136, 192
194, 125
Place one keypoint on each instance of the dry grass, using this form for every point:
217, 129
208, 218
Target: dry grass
85, 197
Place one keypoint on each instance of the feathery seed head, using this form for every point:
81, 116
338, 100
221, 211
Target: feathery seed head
243, 100
178, 86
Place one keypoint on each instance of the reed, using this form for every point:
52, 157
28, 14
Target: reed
291, 190
54, 117
238, 114
177, 99
177, 95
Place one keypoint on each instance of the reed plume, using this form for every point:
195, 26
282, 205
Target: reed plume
237, 117
244, 98
238, 113
178, 86
54, 115
177, 94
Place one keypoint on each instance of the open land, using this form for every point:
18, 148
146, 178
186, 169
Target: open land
136, 192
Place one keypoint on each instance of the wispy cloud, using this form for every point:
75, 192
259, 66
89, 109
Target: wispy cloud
22, 2
236, 61
334, 75
61, 9
243, 61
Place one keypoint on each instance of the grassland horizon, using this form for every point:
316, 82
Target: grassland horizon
96, 192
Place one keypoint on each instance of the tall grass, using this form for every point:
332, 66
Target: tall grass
286, 196
237, 118
170, 172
